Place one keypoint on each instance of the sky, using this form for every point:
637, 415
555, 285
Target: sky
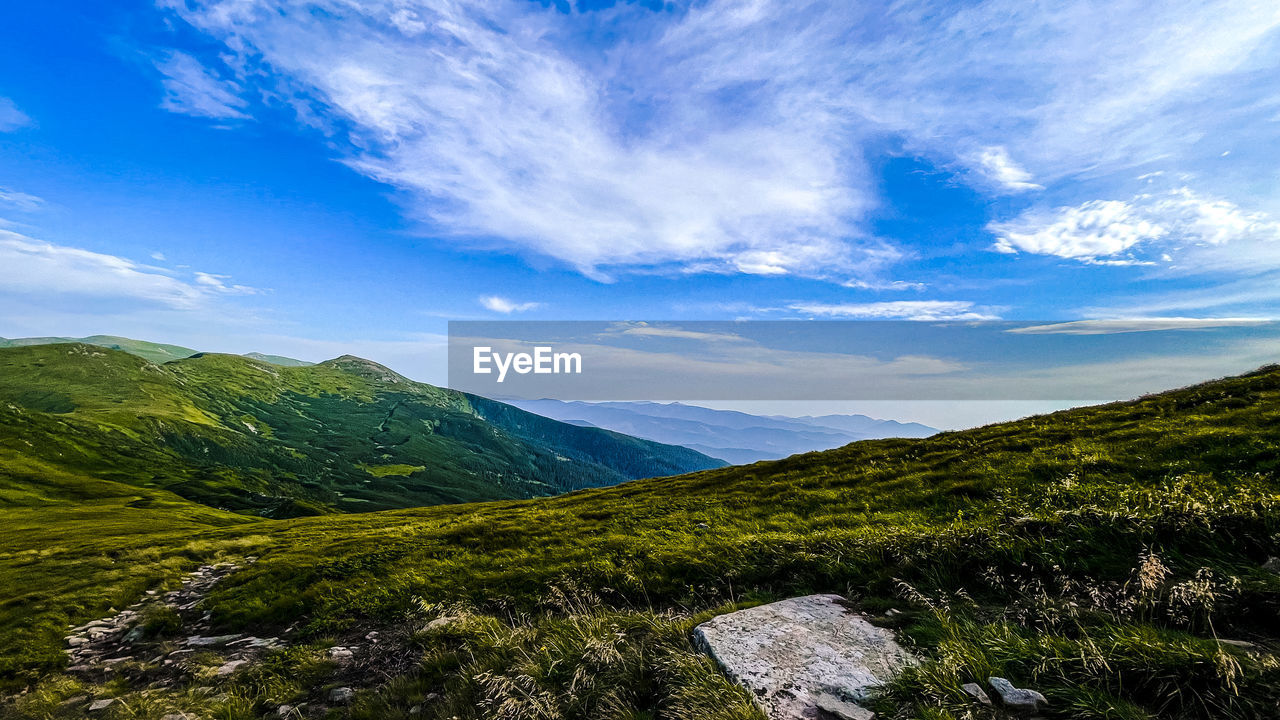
316, 178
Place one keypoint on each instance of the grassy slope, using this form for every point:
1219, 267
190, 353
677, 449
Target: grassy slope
1094, 554
153, 352
245, 435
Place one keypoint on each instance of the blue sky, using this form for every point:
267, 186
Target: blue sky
312, 178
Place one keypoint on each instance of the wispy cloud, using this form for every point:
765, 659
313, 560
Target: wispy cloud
898, 310
728, 136
498, 304
11, 118
19, 200
190, 88
1004, 171
30, 267
644, 329
1132, 325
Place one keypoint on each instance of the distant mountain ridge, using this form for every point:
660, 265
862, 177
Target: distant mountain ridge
155, 352
732, 436
241, 434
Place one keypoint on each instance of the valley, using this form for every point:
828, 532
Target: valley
1119, 559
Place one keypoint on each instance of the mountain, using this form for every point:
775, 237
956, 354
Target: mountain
155, 352
732, 436
278, 360
1119, 559
245, 435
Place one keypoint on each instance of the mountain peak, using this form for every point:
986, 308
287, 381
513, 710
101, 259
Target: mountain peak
367, 369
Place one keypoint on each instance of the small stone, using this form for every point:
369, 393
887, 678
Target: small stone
76, 641
341, 695
440, 623
1014, 698
341, 655
892, 612
230, 667
415, 709
100, 705
198, 641
284, 710
1272, 565
976, 691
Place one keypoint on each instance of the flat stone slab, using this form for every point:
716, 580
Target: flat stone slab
808, 657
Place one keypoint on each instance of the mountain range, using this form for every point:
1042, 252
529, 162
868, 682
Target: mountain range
734, 437
155, 352
248, 435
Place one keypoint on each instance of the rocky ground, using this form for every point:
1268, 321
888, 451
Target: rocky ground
803, 658
165, 646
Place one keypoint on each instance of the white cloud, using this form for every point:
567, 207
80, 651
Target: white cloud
20, 200
728, 136
502, 305
190, 88
1097, 228
11, 118
1185, 226
218, 283
898, 310
643, 329
1132, 325
1001, 168
39, 269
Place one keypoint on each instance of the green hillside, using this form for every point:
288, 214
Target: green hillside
278, 360
244, 435
154, 352
1111, 557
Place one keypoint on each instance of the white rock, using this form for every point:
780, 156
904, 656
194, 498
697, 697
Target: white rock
804, 657
440, 623
230, 667
100, 705
975, 690
341, 695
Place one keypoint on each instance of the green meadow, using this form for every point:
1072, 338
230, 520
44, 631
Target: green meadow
1110, 557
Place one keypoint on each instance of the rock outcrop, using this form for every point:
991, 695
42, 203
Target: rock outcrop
1016, 698
808, 657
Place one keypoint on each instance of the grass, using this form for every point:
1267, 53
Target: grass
1099, 555
251, 437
